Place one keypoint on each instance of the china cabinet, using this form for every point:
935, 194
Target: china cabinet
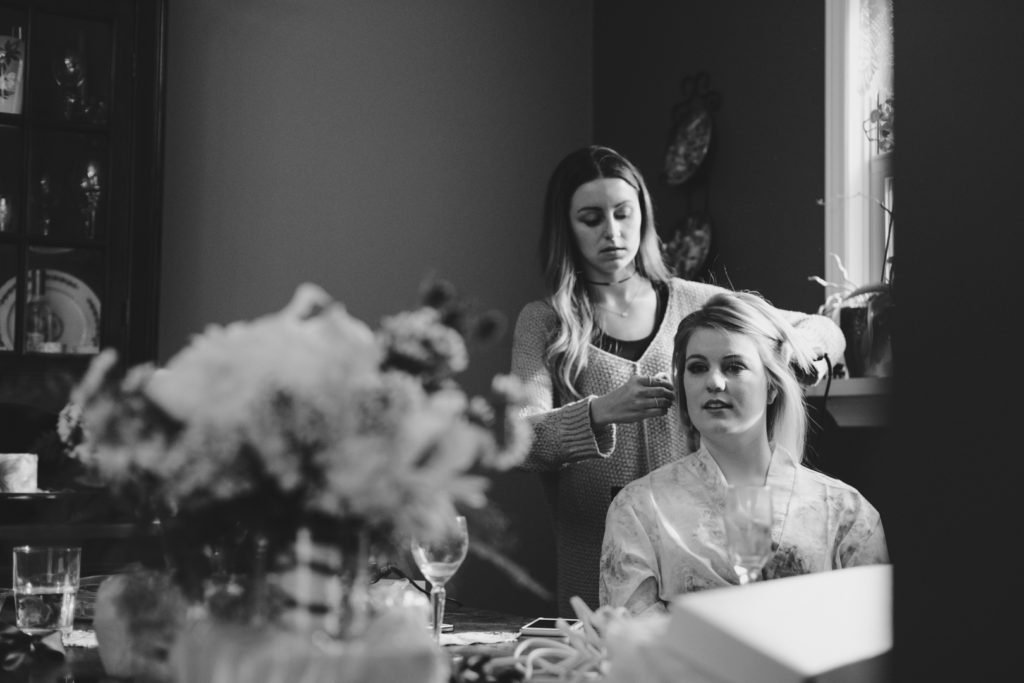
81, 111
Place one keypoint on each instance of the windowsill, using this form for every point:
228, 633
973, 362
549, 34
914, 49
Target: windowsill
858, 401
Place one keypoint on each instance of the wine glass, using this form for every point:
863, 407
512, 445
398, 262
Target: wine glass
748, 529
439, 556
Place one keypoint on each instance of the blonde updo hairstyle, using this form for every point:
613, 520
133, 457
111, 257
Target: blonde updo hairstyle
780, 350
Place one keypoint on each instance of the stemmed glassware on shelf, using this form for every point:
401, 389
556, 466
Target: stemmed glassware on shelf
748, 529
92, 190
438, 558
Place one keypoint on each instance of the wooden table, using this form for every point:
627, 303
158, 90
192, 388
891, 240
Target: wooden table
466, 619
83, 665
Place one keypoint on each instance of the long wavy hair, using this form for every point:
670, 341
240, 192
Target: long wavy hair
562, 263
780, 350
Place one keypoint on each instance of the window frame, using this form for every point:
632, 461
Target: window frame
856, 220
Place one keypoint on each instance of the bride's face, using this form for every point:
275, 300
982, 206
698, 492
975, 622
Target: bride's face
725, 384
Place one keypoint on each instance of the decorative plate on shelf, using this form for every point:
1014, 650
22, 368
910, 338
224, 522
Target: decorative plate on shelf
72, 301
690, 136
688, 146
687, 251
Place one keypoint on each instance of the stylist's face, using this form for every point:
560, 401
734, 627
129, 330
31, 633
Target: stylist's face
725, 384
605, 217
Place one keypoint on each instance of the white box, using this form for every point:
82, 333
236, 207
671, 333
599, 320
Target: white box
19, 472
828, 626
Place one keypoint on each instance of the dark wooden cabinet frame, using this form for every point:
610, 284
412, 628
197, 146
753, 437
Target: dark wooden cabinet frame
38, 385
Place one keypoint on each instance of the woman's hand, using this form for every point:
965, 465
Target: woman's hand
639, 398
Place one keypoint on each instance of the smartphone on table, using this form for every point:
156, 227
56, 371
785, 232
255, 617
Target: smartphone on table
548, 626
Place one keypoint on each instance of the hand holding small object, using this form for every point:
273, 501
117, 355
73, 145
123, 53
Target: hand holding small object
639, 398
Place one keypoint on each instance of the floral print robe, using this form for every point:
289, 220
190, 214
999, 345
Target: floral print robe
665, 534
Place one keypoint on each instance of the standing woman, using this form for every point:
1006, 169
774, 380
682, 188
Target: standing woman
595, 354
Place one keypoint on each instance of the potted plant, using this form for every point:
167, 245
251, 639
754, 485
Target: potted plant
866, 316
881, 125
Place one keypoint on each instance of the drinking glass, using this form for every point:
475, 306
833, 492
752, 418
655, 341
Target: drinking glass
45, 584
438, 557
748, 529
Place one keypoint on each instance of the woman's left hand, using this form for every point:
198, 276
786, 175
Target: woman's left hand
639, 398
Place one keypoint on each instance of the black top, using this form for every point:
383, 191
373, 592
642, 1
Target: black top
632, 350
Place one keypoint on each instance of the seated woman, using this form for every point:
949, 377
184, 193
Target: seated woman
734, 366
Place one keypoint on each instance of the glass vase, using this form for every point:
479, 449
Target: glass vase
325, 587
220, 566
319, 626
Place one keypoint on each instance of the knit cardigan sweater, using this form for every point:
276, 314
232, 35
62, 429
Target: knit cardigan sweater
582, 469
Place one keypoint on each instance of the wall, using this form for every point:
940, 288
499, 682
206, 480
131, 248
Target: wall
361, 145
955, 464
766, 60
256, 201
947, 471
765, 169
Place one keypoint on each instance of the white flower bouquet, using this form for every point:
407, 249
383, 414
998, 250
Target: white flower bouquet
304, 413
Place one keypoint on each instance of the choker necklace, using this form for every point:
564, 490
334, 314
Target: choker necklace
605, 284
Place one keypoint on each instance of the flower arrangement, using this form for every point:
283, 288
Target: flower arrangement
880, 126
306, 413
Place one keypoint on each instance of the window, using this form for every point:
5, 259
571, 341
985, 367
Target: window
859, 144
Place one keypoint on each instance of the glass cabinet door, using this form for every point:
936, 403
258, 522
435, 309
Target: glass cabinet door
81, 105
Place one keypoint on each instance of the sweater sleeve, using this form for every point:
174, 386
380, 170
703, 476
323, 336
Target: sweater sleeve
562, 434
